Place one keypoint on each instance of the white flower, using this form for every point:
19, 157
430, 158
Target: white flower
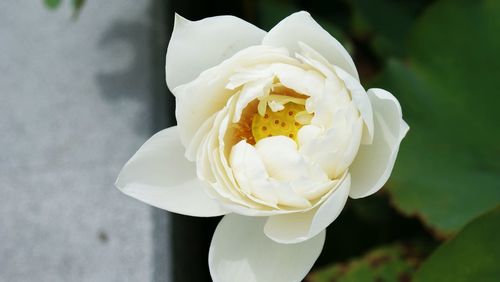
274, 131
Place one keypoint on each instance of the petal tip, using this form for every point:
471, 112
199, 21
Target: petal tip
404, 128
179, 20
117, 184
304, 13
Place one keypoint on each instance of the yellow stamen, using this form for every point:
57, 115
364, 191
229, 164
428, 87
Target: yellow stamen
258, 120
277, 123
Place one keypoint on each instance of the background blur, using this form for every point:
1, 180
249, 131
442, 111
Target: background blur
82, 87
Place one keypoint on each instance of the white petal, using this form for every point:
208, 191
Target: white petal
283, 162
301, 81
241, 252
251, 91
160, 175
308, 133
362, 101
300, 226
194, 145
373, 164
335, 148
255, 181
287, 196
245, 75
301, 27
198, 45
251, 174
281, 158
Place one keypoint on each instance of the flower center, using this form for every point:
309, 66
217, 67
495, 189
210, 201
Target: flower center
280, 113
282, 122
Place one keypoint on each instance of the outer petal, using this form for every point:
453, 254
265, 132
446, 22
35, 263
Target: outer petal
301, 27
241, 252
373, 164
199, 45
160, 175
298, 227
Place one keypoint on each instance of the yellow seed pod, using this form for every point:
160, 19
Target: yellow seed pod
277, 123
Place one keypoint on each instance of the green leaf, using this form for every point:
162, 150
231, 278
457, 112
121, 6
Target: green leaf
52, 4
473, 255
272, 12
78, 4
77, 7
389, 22
448, 166
395, 262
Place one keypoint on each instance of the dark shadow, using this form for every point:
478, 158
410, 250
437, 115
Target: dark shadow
143, 80
134, 80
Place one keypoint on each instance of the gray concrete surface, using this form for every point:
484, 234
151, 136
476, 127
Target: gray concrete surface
75, 102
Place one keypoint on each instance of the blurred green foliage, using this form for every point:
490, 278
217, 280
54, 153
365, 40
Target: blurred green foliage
52, 4
473, 255
448, 169
396, 262
76, 5
385, 24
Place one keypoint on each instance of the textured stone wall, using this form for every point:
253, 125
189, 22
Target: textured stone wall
76, 100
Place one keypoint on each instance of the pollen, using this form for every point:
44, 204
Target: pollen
277, 123
243, 129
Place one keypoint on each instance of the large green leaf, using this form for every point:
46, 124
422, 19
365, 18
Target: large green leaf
448, 171
395, 262
473, 255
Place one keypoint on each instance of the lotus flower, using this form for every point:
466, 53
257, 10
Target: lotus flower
274, 132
